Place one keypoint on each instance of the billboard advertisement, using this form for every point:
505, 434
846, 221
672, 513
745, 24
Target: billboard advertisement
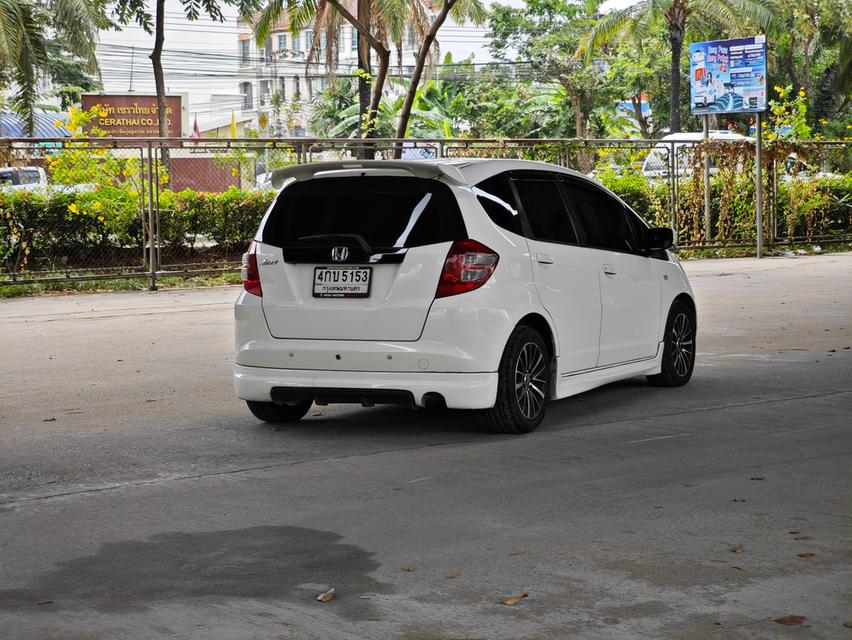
728, 76
135, 115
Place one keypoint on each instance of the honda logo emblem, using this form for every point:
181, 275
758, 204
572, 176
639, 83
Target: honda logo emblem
340, 254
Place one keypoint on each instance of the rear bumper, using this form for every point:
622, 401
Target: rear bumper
459, 390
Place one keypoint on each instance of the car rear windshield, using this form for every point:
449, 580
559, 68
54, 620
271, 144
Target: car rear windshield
384, 211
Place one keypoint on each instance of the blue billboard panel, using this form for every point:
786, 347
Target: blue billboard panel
728, 76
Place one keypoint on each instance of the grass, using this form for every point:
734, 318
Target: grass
120, 284
770, 250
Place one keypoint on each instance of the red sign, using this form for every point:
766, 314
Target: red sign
133, 115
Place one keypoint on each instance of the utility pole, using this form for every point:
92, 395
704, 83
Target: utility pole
132, 52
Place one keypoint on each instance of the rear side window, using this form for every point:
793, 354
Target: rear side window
545, 210
387, 212
604, 218
496, 197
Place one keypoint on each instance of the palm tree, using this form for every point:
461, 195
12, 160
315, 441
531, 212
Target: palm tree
681, 18
23, 45
376, 23
460, 10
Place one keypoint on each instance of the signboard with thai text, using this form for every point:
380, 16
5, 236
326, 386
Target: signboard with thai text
728, 76
134, 115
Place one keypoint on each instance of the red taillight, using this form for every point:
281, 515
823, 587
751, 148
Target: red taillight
249, 272
468, 266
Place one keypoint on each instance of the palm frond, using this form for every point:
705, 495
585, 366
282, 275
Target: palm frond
78, 22
472, 10
24, 54
269, 15
611, 25
738, 16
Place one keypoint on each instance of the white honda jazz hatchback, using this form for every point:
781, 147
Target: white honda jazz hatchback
471, 284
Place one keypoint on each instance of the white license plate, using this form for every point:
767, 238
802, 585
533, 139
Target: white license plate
342, 282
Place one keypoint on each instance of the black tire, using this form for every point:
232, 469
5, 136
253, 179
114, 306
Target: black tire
278, 413
678, 347
523, 383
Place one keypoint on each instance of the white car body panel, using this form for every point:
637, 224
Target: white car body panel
566, 278
630, 296
399, 300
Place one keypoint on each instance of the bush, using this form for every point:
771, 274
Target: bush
55, 229
647, 198
815, 206
229, 219
59, 229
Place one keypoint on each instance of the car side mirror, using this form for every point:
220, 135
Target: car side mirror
660, 238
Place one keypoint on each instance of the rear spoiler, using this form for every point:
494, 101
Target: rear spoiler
430, 170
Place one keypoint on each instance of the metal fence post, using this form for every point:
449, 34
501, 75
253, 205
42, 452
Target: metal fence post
151, 243
673, 187
706, 157
759, 191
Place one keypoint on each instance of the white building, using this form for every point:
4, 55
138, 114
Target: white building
280, 66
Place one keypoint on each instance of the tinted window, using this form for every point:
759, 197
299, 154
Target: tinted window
545, 210
386, 212
603, 218
496, 197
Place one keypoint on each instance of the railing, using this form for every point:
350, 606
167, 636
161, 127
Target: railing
121, 208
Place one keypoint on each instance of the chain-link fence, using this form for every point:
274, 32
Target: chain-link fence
76, 209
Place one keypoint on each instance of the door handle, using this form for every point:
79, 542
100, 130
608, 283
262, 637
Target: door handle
544, 258
609, 270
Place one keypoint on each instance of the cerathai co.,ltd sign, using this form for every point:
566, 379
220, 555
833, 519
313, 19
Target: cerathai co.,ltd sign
134, 115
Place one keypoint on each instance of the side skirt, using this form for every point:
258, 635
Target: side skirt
579, 381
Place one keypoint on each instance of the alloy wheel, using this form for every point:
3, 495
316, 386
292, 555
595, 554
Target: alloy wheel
682, 344
530, 380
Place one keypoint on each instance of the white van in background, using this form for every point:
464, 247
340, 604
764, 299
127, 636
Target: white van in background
658, 164
26, 178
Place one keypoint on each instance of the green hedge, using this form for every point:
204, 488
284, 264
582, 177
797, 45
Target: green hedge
806, 206
228, 219
58, 229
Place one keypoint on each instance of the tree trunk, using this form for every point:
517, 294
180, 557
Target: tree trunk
585, 156
378, 85
579, 120
364, 66
384, 61
159, 80
420, 63
676, 21
791, 67
642, 121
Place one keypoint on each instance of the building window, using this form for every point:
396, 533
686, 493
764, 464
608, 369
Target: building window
354, 42
282, 44
266, 54
297, 93
246, 91
282, 88
297, 44
244, 51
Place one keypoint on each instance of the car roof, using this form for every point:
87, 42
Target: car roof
460, 171
476, 170
698, 135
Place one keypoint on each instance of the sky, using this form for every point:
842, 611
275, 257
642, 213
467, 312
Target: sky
201, 58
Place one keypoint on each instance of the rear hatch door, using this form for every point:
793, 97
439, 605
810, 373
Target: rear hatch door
355, 257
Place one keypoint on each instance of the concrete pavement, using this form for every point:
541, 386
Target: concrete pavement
139, 499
